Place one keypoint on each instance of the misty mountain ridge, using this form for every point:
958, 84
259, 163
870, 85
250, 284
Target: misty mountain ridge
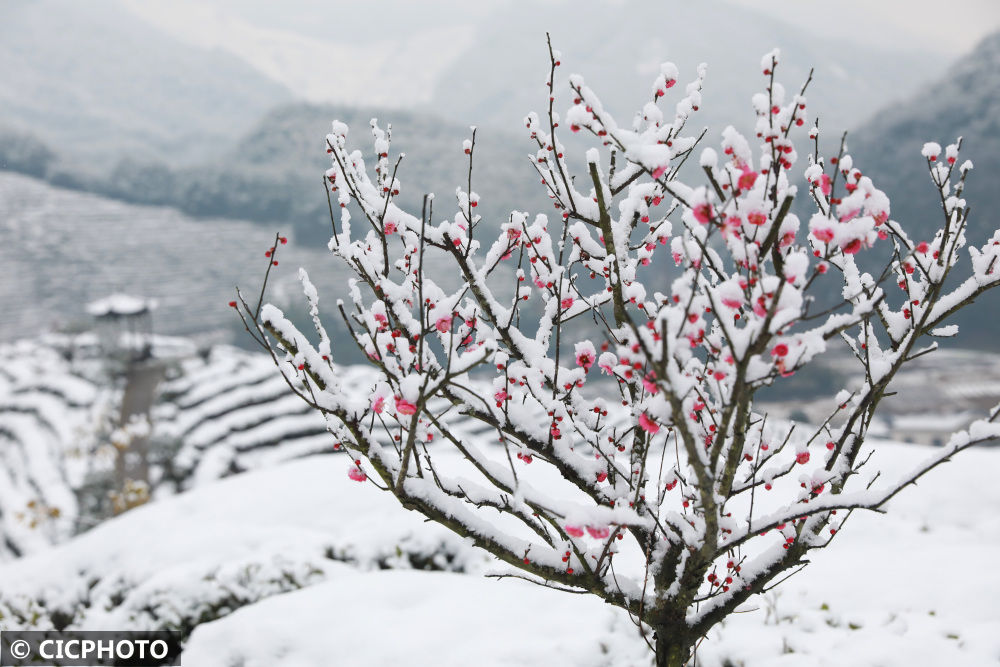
274, 173
101, 83
480, 64
495, 83
97, 85
964, 102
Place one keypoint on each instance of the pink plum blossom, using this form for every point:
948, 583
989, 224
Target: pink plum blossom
404, 407
647, 424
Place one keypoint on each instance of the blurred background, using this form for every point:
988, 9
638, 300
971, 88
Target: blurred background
155, 146
151, 149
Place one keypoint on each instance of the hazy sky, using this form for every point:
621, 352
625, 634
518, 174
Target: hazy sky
951, 27
406, 45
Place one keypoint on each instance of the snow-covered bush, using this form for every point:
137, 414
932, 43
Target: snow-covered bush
186, 560
614, 353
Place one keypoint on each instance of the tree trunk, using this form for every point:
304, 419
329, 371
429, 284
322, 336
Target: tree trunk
672, 648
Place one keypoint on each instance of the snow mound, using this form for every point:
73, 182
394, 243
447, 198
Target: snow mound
188, 559
274, 566
915, 587
410, 618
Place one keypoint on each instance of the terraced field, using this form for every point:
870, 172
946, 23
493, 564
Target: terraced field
224, 412
219, 412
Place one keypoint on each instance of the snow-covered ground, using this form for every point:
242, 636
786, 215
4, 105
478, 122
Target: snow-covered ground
189, 558
284, 566
292, 563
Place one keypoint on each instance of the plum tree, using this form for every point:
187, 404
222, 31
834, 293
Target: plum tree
577, 396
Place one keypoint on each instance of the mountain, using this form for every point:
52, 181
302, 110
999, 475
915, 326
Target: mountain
484, 62
284, 156
500, 79
388, 53
273, 173
195, 136
179, 104
964, 102
96, 83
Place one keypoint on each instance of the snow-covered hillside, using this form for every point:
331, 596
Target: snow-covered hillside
185, 560
191, 267
99, 85
229, 412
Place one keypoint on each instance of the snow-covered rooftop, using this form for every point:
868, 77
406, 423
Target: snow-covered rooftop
971, 390
932, 423
119, 305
